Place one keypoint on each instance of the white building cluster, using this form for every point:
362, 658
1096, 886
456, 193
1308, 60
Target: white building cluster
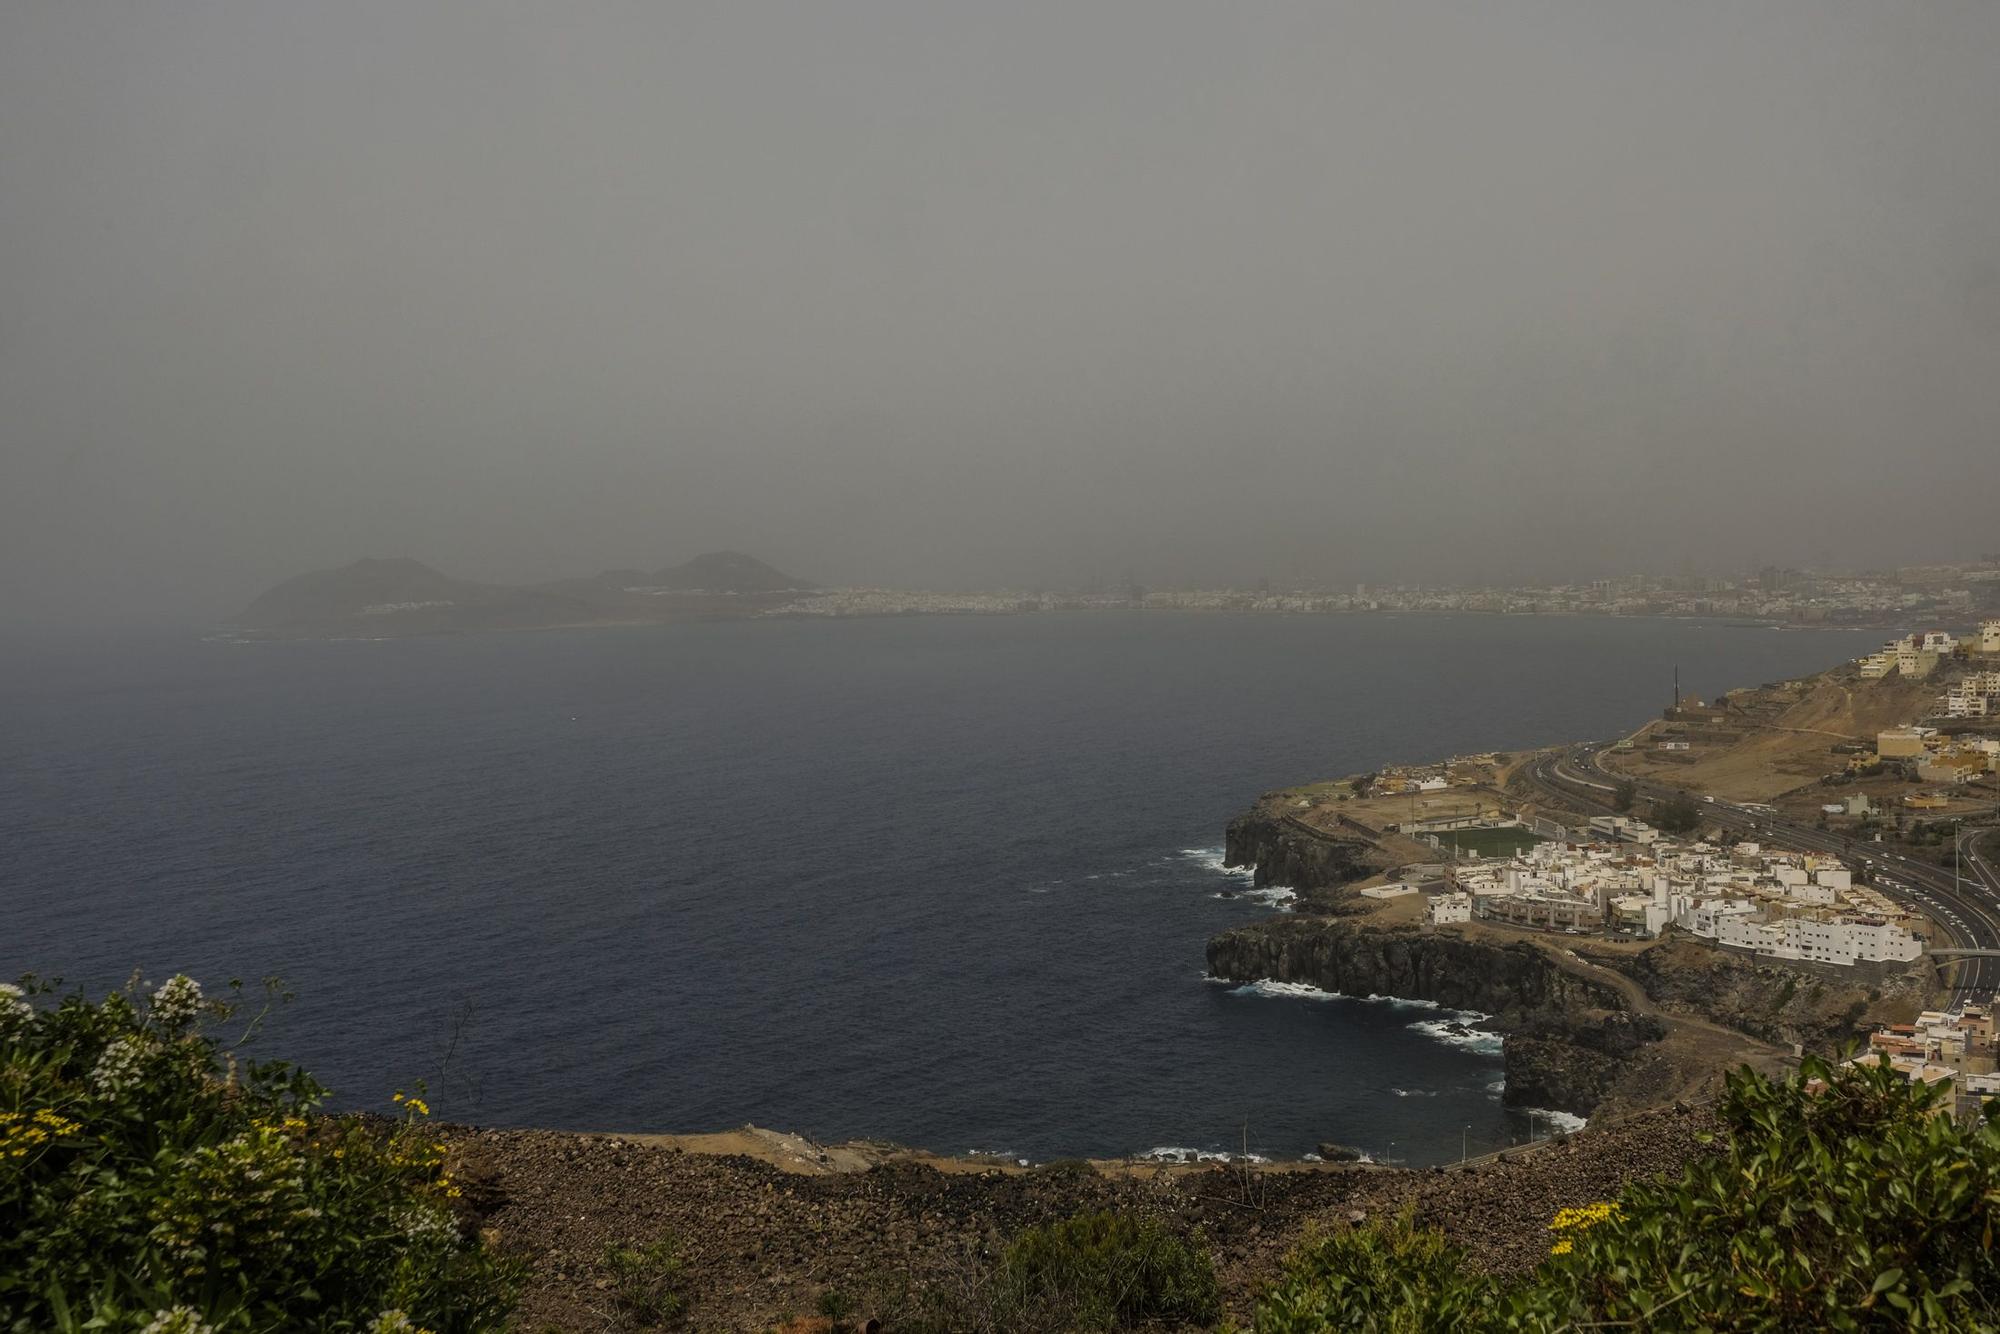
1943, 1046
1785, 905
1976, 695
1912, 657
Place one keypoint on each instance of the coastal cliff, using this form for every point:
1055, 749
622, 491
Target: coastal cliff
1287, 853
1566, 1038
1819, 1007
383, 599
1361, 960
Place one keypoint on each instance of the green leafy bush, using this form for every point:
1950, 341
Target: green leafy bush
1677, 815
1393, 1278
1841, 1200
149, 1183
1105, 1270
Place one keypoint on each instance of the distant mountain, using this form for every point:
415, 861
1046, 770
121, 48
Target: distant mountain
728, 572
374, 599
353, 590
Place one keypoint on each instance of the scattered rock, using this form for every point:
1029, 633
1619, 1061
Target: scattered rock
759, 1243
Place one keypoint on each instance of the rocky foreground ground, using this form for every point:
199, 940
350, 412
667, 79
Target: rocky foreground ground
761, 1243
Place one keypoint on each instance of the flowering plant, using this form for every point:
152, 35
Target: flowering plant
150, 1182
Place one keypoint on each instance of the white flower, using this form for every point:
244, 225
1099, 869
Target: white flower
177, 1001
14, 1011
421, 1223
118, 1067
391, 1322
178, 1320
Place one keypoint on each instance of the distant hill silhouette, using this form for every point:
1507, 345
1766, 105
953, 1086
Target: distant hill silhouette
386, 598
728, 572
348, 591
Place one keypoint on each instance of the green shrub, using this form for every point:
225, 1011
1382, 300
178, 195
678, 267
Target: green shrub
1677, 815
1392, 1278
646, 1281
1848, 1206
149, 1183
1096, 1271
1102, 1271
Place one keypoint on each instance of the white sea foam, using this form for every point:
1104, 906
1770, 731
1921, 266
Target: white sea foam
1211, 859
1498, 1086
1437, 1028
1295, 990
1170, 1153
1567, 1122
1458, 1033
1414, 1093
1281, 899
1405, 1003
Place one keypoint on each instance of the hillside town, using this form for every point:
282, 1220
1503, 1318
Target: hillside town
1956, 1049
1953, 745
1631, 882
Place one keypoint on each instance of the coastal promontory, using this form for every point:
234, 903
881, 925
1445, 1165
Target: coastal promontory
381, 599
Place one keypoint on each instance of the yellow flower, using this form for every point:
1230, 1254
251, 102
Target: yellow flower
1580, 1219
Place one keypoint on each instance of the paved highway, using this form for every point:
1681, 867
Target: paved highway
1966, 906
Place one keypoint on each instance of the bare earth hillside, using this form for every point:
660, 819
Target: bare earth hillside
1774, 738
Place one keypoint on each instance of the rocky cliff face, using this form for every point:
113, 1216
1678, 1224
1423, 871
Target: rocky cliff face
1571, 1064
1819, 1008
1287, 855
1565, 1037
1359, 960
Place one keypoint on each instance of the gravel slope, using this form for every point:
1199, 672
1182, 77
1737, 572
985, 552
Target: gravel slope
761, 1243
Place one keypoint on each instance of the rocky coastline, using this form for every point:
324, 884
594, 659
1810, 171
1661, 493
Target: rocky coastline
1565, 1037
1587, 1027
1318, 866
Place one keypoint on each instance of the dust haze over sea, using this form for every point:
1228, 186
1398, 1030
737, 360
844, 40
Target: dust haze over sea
945, 881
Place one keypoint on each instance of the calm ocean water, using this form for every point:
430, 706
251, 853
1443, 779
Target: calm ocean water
941, 881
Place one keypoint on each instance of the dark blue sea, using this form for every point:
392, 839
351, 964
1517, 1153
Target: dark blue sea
944, 881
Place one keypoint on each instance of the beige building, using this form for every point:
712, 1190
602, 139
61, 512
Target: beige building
1903, 743
1958, 767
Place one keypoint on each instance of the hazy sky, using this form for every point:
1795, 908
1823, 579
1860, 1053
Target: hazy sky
1003, 293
